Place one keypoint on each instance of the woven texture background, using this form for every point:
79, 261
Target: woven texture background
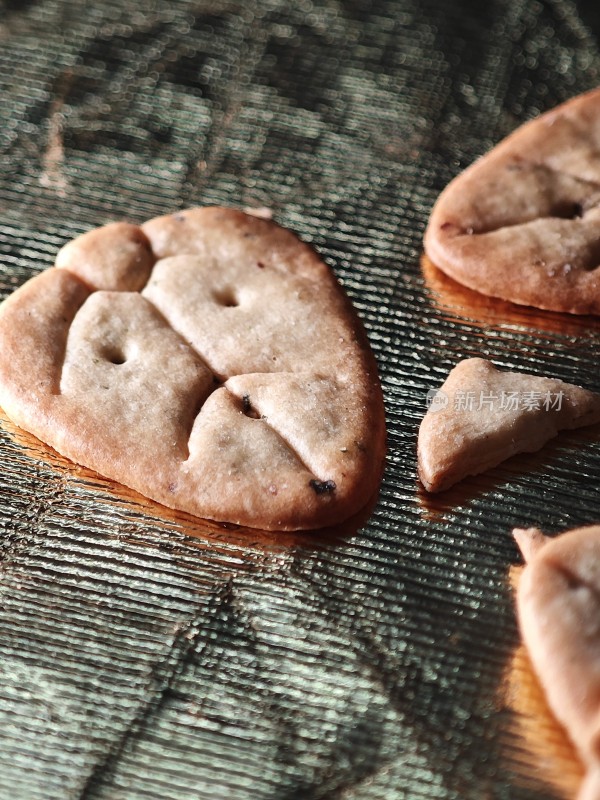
146, 655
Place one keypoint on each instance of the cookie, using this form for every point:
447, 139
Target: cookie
207, 359
558, 606
482, 416
523, 222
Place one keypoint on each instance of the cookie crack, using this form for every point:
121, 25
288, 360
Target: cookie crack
253, 412
60, 362
563, 173
218, 382
585, 258
117, 358
574, 580
217, 377
567, 209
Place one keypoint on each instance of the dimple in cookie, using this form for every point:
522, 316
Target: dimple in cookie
207, 359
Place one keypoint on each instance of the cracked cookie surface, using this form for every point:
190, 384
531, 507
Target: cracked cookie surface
523, 222
207, 359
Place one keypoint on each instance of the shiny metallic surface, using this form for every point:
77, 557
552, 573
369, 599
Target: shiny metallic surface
146, 654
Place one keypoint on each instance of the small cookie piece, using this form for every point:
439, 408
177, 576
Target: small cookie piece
558, 607
208, 360
482, 416
523, 222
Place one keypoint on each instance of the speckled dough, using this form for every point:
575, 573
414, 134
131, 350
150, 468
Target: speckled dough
523, 222
207, 359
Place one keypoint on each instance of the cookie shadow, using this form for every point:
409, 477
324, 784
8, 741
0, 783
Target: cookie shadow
212, 532
134, 508
451, 297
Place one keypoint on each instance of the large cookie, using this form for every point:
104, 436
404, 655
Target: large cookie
523, 222
207, 359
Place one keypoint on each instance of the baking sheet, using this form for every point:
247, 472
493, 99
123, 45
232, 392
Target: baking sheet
146, 654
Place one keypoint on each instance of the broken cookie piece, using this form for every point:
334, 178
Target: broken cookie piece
207, 359
558, 606
523, 222
481, 416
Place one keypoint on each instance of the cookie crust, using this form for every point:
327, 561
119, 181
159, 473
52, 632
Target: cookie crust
523, 222
207, 359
